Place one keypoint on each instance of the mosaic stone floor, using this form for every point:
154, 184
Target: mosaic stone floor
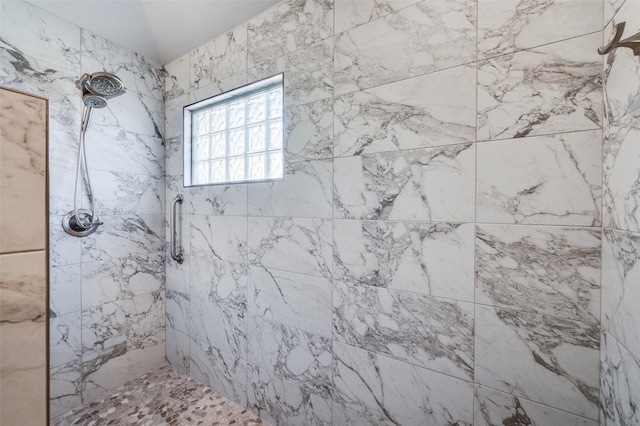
161, 397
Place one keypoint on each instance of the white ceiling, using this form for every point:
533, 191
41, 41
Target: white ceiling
161, 30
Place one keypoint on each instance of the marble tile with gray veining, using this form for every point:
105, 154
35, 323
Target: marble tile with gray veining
621, 67
621, 170
177, 77
138, 73
388, 391
219, 58
44, 35
306, 191
430, 110
123, 236
432, 333
551, 180
351, 13
223, 372
135, 112
508, 26
498, 408
223, 237
223, 283
620, 287
431, 184
345, 416
280, 401
219, 86
64, 290
118, 193
619, 381
229, 200
546, 270
309, 131
65, 387
174, 157
308, 73
296, 300
174, 126
432, 259
288, 26
301, 245
549, 89
177, 350
177, 311
552, 361
64, 339
218, 326
419, 39
64, 249
292, 354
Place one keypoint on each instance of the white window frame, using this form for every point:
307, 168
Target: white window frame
223, 98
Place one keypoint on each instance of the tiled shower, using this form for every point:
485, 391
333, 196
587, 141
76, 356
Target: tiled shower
455, 241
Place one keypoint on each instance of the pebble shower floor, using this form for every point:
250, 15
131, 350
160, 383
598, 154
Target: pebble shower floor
161, 397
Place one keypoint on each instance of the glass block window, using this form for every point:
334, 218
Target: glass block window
236, 136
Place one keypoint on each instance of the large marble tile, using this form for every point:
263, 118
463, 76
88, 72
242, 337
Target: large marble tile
65, 388
433, 259
621, 160
498, 408
545, 180
218, 200
65, 284
419, 39
619, 381
135, 112
223, 372
388, 391
123, 236
301, 245
23, 288
430, 110
308, 73
432, 333
61, 190
296, 300
223, 237
177, 350
546, 270
282, 402
288, 26
64, 249
291, 354
431, 184
220, 327
219, 58
41, 34
621, 67
174, 124
138, 73
306, 191
177, 311
309, 131
351, 13
174, 157
177, 77
549, 89
64, 339
220, 282
552, 361
23, 168
119, 193
621, 287
506, 26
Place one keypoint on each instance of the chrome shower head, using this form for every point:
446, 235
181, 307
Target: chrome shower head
93, 100
105, 84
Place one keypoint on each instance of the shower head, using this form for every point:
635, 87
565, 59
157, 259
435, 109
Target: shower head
94, 101
98, 87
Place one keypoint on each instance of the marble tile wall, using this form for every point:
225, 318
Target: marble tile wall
23, 258
437, 236
107, 290
620, 352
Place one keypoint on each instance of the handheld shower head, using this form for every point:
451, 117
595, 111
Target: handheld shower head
93, 100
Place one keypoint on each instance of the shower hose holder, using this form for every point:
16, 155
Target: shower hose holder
72, 227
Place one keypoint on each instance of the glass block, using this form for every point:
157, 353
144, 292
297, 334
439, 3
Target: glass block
257, 138
235, 113
200, 123
218, 119
218, 171
201, 172
257, 108
275, 165
236, 141
219, 144
275, 134
256, 166
236, 169
275, 102
201, 148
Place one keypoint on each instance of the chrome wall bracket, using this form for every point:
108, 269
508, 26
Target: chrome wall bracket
72, 227
632, 42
